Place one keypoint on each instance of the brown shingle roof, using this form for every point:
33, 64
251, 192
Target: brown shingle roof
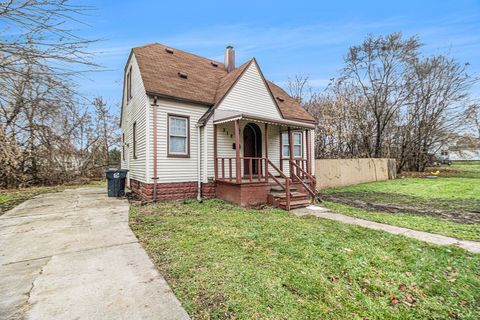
288, 106
205, 83
160, 70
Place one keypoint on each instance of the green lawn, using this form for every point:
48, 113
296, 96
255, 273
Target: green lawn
412, 221
448, 205
226, 262
13, 197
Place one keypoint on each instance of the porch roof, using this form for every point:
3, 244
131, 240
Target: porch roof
223, 116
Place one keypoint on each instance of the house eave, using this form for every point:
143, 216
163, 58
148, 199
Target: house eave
175, 98
251, 117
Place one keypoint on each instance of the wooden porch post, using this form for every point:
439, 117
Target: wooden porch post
307, 137
266, 152
215, 152
238, 165
290, 146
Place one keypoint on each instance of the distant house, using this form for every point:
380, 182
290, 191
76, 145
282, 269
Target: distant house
195, 127
462, 148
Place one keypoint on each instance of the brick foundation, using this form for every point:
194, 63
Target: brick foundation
172, 190
245, 195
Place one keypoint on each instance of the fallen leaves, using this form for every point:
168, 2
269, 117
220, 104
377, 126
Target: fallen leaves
405, 296
451, 274
393, 299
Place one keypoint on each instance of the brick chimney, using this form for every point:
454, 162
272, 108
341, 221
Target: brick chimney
229, 58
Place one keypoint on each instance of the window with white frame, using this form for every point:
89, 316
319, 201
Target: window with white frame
178, 136
297, 144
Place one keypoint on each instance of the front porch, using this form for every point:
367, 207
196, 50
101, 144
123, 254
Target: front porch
259, 161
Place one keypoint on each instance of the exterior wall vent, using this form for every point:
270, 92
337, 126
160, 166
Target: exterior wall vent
183, 75
169, 50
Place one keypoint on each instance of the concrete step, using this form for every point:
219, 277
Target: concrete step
294, 204
293, 195
279, 189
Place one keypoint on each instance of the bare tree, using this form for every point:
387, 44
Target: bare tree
472, 117
391, 102
40, 33
377, 67
298, 87
439, 88
40, 111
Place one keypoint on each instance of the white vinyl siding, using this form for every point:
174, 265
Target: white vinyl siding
207, 152
176, 169
135, 111
250, 95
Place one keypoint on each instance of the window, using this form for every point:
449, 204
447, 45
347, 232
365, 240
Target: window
178, 136
134, 138
123, 146
297, 145
129, 84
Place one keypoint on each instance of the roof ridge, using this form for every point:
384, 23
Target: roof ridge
176, 49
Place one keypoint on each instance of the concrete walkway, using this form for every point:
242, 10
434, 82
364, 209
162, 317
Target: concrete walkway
321, 212
72, 255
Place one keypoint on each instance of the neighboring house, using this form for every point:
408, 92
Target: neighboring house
195, 127
461, 148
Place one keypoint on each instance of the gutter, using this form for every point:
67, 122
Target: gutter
199, 169
155, 176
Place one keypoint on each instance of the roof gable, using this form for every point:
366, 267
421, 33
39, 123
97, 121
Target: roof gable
250, 94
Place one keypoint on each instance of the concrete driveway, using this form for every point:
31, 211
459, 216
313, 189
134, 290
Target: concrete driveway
71, 255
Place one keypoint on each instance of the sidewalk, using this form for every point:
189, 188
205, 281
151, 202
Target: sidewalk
321, 212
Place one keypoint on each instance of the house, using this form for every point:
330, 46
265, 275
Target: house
195, 127
461, 148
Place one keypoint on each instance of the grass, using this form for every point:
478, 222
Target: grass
10, 198
452, 188
448, 205
226, 262
412, 221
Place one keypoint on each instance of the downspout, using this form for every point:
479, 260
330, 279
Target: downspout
199, 169
155, 177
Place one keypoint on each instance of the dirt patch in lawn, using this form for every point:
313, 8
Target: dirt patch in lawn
460, 211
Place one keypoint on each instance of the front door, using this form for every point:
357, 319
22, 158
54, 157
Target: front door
252, 148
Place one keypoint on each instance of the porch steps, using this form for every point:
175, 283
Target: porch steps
294, 204
278, 189
297, 199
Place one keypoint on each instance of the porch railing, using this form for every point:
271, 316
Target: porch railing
285, 187
300, 174
225, 167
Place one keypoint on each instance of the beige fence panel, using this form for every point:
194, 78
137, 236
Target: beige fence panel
343, 172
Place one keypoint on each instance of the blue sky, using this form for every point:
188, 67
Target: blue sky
286, 37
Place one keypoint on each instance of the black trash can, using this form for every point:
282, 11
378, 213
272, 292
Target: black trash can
116, 182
